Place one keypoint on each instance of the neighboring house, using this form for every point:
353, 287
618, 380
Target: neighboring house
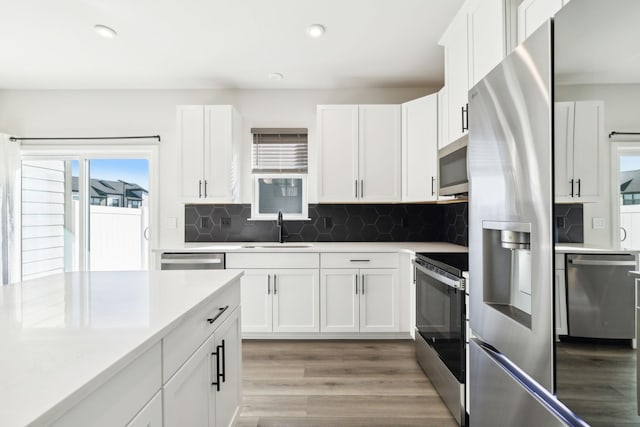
630, 187
113, 193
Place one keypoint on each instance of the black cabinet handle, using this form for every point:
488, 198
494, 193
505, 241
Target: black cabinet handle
200, 188
433, 188
217, 376
268, 284
224, 369
571, 188
578, 188
275, 289
218, 314
465, 117
356, 277
362, 286
356, 182
205, 188
362, 188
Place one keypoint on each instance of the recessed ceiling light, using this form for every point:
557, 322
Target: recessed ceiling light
276, 76
104, 31
315, 31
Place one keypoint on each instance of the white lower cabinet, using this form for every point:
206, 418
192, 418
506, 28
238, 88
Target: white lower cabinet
151, 414
359, 299
206, 389
280, 300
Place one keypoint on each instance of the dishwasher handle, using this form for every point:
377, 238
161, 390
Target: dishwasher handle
599, 262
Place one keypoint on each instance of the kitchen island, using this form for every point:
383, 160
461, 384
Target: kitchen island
113, 348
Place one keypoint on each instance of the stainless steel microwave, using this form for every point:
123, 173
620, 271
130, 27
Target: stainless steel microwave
452, 168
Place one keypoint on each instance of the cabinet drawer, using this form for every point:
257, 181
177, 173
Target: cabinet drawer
273, 260
359, 260
118, 400
559, 261
194, 329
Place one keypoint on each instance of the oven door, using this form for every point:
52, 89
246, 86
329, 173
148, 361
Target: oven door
440, 318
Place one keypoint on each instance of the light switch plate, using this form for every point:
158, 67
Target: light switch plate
171, 222
598, 223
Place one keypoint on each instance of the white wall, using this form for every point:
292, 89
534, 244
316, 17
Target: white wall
621, 113
151, 112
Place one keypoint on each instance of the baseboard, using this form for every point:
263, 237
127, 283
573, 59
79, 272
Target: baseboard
328, 336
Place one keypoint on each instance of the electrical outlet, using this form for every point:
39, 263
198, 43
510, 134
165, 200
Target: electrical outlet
560, 221
598, 223
204, 222
328, 223
225, 222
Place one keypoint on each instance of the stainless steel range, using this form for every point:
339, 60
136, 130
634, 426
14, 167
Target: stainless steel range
440, 325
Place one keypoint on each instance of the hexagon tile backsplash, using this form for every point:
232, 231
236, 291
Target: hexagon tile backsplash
332, 223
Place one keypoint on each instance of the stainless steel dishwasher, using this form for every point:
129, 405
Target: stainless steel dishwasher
191, 261
601, 296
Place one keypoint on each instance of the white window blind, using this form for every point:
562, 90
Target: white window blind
280, 150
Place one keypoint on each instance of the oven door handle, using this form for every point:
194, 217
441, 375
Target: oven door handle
457, 284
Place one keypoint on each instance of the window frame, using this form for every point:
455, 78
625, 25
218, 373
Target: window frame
255, 203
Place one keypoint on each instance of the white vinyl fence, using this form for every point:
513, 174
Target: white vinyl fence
630, 226
116, 238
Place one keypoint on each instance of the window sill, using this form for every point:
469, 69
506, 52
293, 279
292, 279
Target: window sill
274, 218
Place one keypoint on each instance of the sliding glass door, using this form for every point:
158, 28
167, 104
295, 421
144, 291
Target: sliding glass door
85, 213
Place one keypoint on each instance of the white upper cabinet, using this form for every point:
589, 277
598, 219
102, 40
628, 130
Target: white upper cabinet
379, 146
420, 149
487, 37
578, 150
359, 151
209, 137
474, 43
456, 75
533, 13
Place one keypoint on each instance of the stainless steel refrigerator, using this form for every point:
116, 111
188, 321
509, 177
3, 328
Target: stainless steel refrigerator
510, 160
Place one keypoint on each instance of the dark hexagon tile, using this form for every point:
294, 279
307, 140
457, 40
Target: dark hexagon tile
339, 215
451, 234
294, 227
383, 209
384, 224
369, 215
369, 233
218, 213
235, 209
190, 215
460, 225
339, 233
324, 237
309, 233
354, 224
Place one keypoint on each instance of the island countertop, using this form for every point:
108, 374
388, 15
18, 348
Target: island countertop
64, 335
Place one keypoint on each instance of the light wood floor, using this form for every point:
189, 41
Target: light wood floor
337, 383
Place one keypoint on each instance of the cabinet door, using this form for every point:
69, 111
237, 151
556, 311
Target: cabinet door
563, 148
339, 300
487, 37
256, 288
188, 394
378, 300
151, 414
190, 133
560, 303
456, 66
338, 153
533, 13
420, 149
379, 153
588, 156
296, 295
443, 117
218, 152
228, 347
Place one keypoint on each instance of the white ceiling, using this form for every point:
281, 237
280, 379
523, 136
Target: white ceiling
197, 44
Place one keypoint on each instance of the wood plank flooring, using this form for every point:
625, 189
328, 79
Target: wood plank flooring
337, 383
598, 382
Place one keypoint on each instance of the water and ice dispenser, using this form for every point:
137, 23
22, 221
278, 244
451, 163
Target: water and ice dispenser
507, 269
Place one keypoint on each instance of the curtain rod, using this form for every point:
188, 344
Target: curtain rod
614, 133
14, 139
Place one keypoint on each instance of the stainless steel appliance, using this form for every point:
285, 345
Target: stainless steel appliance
440, 325
452, 168
511, 242
191, 261
601, 296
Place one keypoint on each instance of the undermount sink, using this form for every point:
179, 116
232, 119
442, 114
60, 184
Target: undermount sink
280, 246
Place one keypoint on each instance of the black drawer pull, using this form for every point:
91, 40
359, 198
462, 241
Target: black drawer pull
220, 311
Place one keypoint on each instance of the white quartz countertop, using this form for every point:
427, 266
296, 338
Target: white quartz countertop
315, 247
65, 334
581, 248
